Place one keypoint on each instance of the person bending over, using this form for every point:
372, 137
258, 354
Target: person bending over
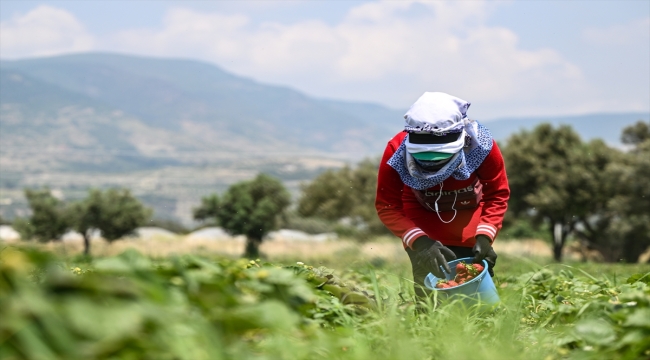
442, 187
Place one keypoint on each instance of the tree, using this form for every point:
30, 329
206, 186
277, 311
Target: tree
344, 193
593, 228
630, 201
555, 178
595, 192
251, 208
636, 135
84, 217
328, 196
114, 212
48, 220
209, 208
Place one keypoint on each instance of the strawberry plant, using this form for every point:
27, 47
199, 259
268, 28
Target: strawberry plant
596, 317
198, 307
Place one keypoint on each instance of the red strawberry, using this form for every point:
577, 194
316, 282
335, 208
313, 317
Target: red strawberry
459, 267
452, 283
478, 267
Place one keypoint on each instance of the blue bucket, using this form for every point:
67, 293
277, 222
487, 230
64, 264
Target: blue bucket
479, 289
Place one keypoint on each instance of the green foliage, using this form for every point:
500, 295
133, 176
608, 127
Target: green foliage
596, 317
630, 203
48, 220
645, 278
328, 196
554, 173
195, 307
209, 208
115, 212
251, 208
580, 189
24, 228
636, 134
541, 163
522, 227
546, 174
348, 193
589, 190
130, 307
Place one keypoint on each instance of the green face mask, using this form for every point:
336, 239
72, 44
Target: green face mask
432, 165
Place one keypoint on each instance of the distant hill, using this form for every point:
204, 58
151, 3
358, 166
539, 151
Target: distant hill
174, 130
168, 93
602, 125
178, 97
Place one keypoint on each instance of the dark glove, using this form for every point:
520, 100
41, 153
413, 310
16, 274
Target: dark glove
431, 254
483, 250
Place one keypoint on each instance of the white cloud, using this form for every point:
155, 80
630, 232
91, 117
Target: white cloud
43, 31
388, 52
635, 32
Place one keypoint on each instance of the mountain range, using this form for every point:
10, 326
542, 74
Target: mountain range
174, 130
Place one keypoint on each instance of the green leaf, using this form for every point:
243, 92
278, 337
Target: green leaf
640, 317
113, 265
596, 331
642, 277
634, 337
271, 315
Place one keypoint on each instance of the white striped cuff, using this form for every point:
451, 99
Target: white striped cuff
487, 229
412, 234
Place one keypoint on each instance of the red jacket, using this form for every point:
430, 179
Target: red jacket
403, 215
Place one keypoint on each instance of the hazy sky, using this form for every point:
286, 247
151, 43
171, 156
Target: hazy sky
507, 58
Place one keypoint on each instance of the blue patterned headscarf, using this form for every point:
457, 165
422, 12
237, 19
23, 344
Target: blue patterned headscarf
439, 111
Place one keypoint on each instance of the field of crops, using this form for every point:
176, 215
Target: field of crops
131, 306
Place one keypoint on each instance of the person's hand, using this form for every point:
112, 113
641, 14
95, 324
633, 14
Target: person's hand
483, 250
431, 255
